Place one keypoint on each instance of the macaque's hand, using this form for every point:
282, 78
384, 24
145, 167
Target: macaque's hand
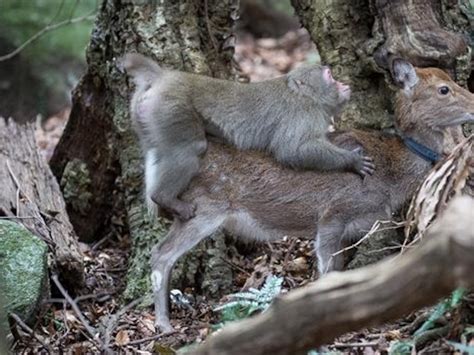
362, 164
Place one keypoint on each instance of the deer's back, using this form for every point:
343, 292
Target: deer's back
292, 201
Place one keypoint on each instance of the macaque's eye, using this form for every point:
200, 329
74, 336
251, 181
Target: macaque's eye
443, 90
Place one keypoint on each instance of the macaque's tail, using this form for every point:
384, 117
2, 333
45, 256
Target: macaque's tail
143, 70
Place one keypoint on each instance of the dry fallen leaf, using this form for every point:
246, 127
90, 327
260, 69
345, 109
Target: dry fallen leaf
148, 323
122, 338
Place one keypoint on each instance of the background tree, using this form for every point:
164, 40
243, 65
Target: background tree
355, 38
97, 160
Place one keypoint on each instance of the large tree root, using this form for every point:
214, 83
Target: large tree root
341, 302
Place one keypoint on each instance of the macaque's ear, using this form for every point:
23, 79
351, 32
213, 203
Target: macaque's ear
404, 75
294, 84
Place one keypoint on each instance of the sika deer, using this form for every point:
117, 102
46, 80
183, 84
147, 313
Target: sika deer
251, 196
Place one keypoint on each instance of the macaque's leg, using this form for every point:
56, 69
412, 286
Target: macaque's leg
167, 176
360, 225
181, 238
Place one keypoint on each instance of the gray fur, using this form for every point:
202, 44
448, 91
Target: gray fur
288, 117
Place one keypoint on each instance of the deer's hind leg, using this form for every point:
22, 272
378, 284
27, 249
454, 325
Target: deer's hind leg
181, 238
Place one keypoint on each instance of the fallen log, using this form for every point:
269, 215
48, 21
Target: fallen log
30, 195
341, 302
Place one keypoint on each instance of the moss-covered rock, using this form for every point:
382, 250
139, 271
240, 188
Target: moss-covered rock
378, 246
23, 270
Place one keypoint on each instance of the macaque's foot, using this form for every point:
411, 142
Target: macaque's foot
163, 326
363, 164
184, 210
180, 209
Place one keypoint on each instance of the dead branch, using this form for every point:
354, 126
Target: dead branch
19, 322
91, 330
341, 302
31, 195
113, 319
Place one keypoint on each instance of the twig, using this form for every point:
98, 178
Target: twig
236, 266
46, 29
97, 244
354, 345
93, 296
393, 247
288, 252
112, 322
18, 188
375, 228
153, 337
18, 217
81, 298
90, 330
28, 330
61, 5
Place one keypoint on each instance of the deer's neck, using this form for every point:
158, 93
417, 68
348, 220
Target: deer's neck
427, 145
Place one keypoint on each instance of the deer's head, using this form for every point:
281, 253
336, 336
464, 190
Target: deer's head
429, 102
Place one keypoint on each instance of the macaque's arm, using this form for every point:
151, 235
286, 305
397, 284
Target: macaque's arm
322, 155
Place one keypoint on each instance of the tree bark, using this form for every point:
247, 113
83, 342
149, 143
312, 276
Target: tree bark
341, 302
31, 196
355, 37
98, 160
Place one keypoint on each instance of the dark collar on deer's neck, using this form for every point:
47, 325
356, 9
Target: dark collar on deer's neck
419, 149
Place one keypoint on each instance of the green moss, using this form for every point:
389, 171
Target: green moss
76, 185
139, 271
23, 269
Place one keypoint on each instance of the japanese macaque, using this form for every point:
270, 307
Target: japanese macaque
251, 196
287, 117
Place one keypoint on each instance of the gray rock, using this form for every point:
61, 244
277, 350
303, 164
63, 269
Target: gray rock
377, 247
24, 281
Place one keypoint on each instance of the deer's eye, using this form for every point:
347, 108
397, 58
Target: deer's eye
443, 90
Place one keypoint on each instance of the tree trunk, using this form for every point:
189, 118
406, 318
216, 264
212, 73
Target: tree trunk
97, 160
31, 196
356, 36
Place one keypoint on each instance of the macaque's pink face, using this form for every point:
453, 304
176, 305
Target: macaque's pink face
343, 89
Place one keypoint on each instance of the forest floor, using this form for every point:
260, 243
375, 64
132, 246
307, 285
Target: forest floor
130, 329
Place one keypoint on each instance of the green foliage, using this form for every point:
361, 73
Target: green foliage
76, 185
19, 20
447, 305
401, 348
244, 304
463, 348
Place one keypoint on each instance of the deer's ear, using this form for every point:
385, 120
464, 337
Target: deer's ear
404, 75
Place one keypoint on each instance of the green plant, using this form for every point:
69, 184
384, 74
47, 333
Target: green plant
244, 304
463, 348
447, 305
